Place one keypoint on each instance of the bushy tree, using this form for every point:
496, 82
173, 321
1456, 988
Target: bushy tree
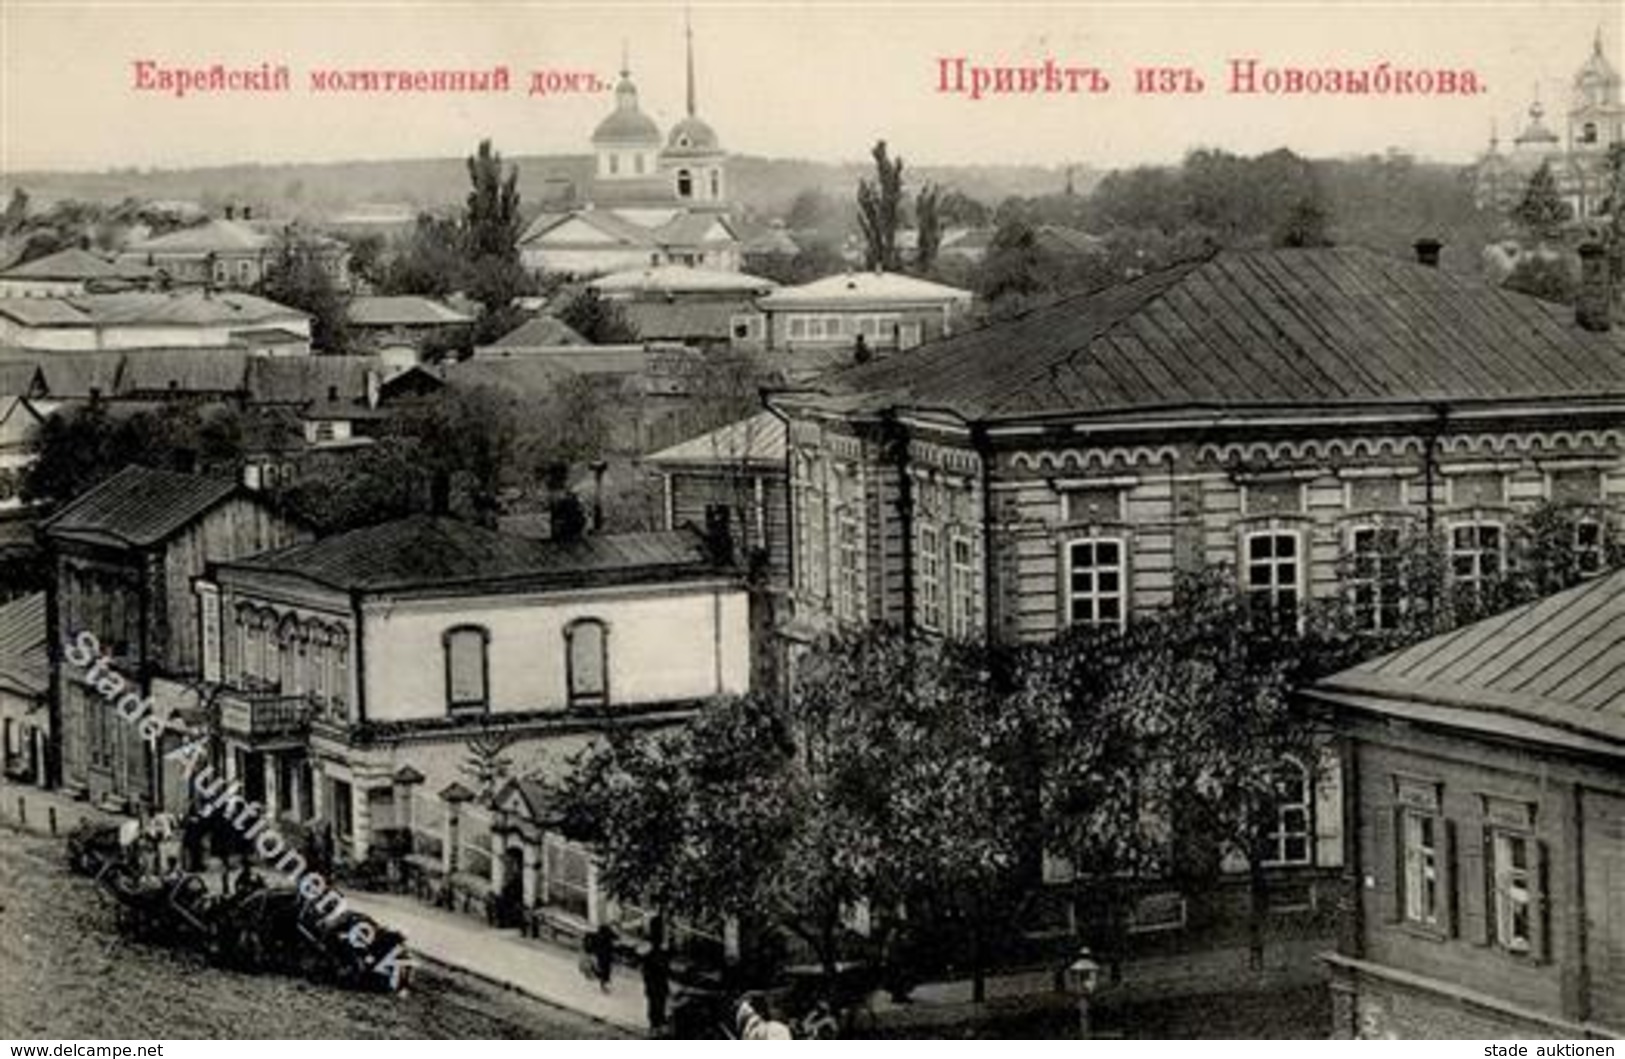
880, 211
297, 278
1542, 211
599, 320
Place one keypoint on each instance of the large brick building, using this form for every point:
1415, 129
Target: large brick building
1486, 827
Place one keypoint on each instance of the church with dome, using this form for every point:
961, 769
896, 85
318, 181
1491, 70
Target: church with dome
1593, 122
652, 199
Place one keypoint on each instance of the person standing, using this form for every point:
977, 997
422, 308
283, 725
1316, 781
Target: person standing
657, 976
600, 945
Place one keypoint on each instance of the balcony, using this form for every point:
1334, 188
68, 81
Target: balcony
264, 715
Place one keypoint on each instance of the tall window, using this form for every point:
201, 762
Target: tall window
1373, 580
685, 184
1514, 881
1290, 832
1588, 549
1095, 579
962, 585
1475, 558
849, 567
930, 582
587, 661
1273, 564
467, 672
1422, 837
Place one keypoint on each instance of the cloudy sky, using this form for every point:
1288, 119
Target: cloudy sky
817, 80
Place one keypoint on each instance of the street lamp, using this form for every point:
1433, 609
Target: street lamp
1083, 975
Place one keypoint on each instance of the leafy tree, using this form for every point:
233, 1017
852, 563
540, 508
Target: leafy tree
880, 211
367, 262
1547, 276
431, 262
297, 278
79, 446
16, 214
928, 224
1542, 212
958, 208
491, 227
599, 320
338, 491
811, 209
1015, 269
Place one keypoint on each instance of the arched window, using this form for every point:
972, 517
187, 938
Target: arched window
1288, 841
586, 651
467, 669
685, 184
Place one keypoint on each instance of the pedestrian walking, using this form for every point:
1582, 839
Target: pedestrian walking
656, 978
600, 945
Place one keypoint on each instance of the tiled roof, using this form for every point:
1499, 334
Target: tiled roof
862, 288
70, 264
541, 330
1313, 327
23, 663
404, 310
756, 442
426, 552
1559, 661
139, 506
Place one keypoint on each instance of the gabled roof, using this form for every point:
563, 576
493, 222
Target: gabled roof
21, 378
403, 310
863, 288
77, 375
1332, 327
24, 667
1558, 662
541, 330
70, 264
139, 506
426, 552
756, 442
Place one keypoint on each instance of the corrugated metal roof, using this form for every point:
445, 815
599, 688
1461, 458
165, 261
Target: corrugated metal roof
1325, 326
23, 662
139, 506
425, 552
1560, 660
759, 441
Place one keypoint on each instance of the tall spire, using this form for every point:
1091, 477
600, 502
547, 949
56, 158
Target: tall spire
688, 32
626, 59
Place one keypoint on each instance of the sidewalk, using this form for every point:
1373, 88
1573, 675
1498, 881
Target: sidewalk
537, 969
28, 808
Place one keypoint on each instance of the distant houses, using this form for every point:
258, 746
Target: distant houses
70, 272
134, 320
232, 254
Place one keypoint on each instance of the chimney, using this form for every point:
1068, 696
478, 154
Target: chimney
1591, 303
1427, 252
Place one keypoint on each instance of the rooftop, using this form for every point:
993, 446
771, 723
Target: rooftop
139, 506
189, 307
858, 288
1553, 666
426, 553
759, 441
70, 264
23, 664
540, 330
681, 279
1238, 330
405, 310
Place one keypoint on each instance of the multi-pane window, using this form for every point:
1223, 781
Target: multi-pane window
962, 583
849, 567
1273, 564
1095, 582
930, 580
587, 661
1373, 577
1588, 547
1512, 874
1422, 838
1476, 557
1289, 837
466, 670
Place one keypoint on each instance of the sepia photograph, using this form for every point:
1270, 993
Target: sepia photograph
732, 520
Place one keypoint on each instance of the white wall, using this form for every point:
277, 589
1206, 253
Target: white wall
665, 643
